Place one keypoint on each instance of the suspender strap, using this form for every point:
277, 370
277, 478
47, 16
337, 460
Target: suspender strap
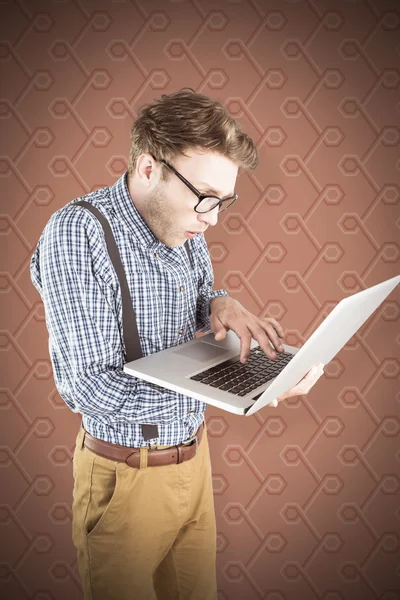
130, 332
133, 349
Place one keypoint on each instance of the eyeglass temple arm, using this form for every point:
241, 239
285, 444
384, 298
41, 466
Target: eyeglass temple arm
192, 188
181, 177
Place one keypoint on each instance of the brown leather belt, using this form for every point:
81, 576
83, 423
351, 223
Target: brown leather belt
131, 456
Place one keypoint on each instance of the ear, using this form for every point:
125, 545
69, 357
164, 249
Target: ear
146, 169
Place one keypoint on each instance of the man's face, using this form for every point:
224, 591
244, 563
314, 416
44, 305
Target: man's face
169, 207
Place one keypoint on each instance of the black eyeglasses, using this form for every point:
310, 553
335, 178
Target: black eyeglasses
206, 202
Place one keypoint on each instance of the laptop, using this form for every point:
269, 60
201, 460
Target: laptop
212, 372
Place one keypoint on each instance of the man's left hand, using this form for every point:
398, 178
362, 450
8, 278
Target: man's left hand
304, 385
227, 313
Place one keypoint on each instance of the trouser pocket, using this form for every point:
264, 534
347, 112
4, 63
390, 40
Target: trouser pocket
95, 491
104, 480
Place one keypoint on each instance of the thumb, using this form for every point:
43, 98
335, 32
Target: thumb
220, 334
219, 330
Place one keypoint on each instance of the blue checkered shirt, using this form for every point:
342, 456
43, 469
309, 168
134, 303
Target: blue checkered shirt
80, 290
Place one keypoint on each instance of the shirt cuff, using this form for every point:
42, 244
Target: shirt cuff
203, 308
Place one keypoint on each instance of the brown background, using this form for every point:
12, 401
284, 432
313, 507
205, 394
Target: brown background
307, 495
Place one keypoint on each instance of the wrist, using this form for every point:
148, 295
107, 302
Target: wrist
217, 299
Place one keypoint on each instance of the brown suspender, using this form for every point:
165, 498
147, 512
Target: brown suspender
130, 333
133, 349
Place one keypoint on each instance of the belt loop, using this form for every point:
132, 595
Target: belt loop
180, 454
143, 457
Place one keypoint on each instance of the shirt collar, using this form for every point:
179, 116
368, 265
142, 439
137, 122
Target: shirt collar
125, 208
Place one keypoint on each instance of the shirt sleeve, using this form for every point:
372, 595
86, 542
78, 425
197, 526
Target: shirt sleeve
205, 291
79, 290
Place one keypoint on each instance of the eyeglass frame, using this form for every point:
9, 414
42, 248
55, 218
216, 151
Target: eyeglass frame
199, 195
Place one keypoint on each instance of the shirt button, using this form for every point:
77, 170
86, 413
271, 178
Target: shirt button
181, 288
156, 255
180, 331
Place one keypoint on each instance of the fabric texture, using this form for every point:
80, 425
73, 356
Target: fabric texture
73, 273
135, 529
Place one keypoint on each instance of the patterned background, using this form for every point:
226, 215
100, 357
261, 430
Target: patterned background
307, 495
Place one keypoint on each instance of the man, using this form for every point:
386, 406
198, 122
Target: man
143, 510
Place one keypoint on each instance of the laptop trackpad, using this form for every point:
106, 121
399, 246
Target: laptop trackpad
202, 351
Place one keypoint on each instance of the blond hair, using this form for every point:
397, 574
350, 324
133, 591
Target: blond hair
186, 119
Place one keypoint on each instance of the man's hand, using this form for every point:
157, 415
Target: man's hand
227, 313
304, 385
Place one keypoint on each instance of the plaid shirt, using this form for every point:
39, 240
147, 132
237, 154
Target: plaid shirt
80, 290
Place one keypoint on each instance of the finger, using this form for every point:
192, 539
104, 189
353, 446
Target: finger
304, 386
310, 374
264, 340
244, 335
274, 402
217, 327
245, 345
220, 334
220, 327
272, 335
278, 328
317, 371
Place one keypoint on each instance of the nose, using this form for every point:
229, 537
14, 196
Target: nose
210, 218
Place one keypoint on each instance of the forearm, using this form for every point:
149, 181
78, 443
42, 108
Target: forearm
111, 396
104, 393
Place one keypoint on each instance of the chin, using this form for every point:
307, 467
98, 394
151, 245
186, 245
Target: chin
174, 243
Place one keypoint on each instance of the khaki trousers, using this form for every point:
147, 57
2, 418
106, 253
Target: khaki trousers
138, 528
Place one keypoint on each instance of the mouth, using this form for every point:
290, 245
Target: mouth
191, 234
194, 232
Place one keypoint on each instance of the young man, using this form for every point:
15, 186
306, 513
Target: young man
143, 511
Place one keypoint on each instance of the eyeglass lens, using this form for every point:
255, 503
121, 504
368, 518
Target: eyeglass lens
208, 204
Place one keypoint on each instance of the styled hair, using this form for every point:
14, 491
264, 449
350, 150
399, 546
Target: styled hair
186, 119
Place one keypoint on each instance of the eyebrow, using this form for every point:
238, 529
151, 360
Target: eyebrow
207, 189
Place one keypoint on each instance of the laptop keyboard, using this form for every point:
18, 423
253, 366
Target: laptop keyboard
231, 376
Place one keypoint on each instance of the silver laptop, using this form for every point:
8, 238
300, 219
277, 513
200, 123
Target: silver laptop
212, 372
